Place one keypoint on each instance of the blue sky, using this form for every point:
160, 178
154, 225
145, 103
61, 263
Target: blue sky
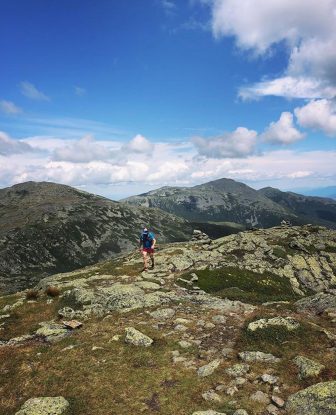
120, 97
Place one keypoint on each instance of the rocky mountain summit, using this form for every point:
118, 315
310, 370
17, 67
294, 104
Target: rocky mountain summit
47, 228
241, 325
226, 200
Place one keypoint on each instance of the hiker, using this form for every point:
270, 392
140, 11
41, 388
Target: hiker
147, 244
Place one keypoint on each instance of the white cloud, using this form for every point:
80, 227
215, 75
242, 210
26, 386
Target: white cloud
175, 164
318, 115
10, 146
282, 131
30, 91
168, 6
139, 144
9, 107
307, 27
82, 151
239, 143
289, 87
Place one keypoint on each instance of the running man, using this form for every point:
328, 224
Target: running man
147, 244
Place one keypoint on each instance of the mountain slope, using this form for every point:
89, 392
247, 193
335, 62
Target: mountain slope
47, 228
309, 208
227, 200
217, 201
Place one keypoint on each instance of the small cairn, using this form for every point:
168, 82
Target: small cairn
199, 236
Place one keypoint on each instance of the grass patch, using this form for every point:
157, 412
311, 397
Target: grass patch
244, 285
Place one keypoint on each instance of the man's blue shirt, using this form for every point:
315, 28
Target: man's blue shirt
147, 239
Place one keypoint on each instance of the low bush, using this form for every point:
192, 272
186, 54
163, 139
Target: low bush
52, 291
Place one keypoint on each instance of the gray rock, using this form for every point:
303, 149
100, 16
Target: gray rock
45, 406
272, 380
307, 367
238, 370
319, 399
52, 332
163, 313
240, 412
208, 369
288, 323
17, 341
261, 397
208, 412
317, 304
135, 337
258, 357
212, 396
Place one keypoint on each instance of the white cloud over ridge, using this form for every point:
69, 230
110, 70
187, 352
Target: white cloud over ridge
318, 115
29, 90
307, 27
168, 164
239, 143
282, 131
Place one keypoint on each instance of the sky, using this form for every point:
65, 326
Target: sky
121, 97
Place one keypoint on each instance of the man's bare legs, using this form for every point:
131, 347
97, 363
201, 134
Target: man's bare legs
145, 259
144, 256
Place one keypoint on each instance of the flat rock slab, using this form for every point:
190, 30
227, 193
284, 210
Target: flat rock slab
209, 412
317, 304
52, 332
288, 323
258, 357
135, 337
45, 406
319, 399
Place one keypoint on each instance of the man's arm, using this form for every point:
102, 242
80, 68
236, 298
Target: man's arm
153, 243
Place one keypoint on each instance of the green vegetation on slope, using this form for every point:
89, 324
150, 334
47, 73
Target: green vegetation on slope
244, 285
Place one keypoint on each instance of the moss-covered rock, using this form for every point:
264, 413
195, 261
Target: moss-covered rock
307, 367
319, 399
45, 406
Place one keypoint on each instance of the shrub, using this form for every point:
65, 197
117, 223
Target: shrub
32, 294
52, 291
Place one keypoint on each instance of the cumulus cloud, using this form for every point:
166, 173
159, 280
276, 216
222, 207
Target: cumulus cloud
82, 151
139, 144
30, 91
307, 27
318, 115
9, 107
282, 131
239, 143
10, 146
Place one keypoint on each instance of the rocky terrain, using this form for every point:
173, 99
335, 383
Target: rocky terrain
226, 200
47, 228
241, 325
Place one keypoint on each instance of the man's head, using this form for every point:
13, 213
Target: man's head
145, 230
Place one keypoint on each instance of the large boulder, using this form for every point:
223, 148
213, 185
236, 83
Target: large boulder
286, 322
317, 304
135, 337
56, 405
319, 399
308, 368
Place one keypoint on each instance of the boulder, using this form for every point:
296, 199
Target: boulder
258, 357
307, 367
319, 399
135, 337
238, 370
208, 369
288, 323
317, 304
45, 406
163, 313
51, 331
